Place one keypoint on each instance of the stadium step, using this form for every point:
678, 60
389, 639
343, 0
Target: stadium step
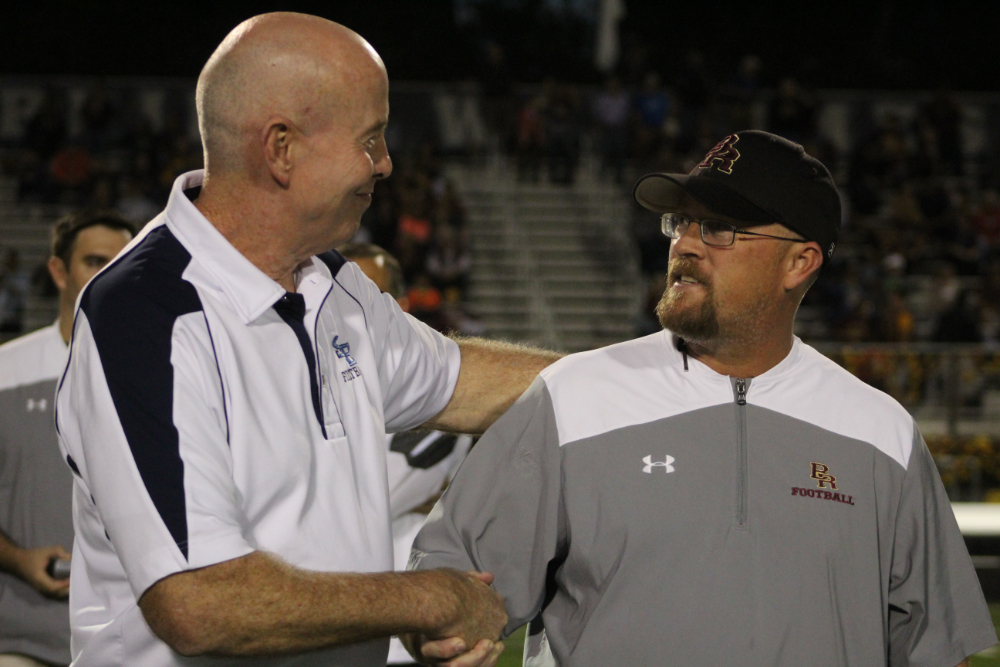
551, 265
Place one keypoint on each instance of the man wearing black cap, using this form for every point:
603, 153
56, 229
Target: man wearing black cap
718, 493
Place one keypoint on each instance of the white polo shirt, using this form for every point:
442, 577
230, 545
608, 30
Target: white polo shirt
207, 414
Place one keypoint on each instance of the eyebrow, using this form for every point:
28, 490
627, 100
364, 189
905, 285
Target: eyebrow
380, 125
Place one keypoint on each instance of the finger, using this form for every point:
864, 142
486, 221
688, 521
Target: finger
478, 656
443, 649
494, 655
62, 553
485, 577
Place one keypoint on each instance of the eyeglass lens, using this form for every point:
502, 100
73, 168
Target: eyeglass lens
713, 232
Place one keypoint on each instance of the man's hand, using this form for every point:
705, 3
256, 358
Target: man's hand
478, 620
30, 564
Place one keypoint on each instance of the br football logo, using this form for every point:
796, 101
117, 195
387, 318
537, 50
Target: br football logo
725, 154
650, 464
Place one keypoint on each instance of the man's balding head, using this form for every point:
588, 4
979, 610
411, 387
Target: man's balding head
295, 66
292, 110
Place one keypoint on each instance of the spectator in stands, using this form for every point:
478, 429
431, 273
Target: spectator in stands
960, 323
448, 260
611, 109
14, 285
793, 112
964, 247
740, 94
98, 115
413, 233
694, 91
134, 204
653, 106
497, 91
531, 138
36, 524
943, 114
47, 128
562, 135
425, 301
986, 219
448, 207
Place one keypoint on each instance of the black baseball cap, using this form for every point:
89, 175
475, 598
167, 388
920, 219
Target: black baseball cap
759, 178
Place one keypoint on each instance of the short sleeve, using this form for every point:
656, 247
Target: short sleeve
937, 613
147, 436
417, 366
502, 512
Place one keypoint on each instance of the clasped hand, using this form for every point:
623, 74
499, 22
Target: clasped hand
470, 638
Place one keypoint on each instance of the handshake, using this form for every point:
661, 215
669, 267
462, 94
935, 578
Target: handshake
467, 617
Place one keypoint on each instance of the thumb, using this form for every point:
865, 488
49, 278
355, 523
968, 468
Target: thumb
485, 577
62, 553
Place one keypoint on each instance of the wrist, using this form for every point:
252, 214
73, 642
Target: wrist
12, 559
439, 599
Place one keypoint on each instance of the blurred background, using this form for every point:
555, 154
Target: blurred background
517, 129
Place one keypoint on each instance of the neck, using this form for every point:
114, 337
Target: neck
256, 227
66, 306
742, 358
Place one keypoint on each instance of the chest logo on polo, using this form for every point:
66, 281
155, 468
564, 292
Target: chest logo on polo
667, 465
826, 486
39, 404
724, 153
343, 351
821, 473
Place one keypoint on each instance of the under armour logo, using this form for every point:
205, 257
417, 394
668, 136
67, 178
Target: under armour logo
40, 404
343, 351
724, 153
650, 464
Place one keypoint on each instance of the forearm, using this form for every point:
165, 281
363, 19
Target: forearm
257, 605
9, 555
492, 376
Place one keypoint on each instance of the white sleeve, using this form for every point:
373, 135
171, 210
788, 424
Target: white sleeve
148, 438
419, 464
417, 366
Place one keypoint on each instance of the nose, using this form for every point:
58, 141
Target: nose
383, 165
689, 244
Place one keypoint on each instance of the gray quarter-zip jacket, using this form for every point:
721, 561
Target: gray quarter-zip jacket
640, 509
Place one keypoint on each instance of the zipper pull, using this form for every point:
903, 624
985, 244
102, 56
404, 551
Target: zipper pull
741, 391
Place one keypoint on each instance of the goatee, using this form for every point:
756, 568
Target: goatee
693, 323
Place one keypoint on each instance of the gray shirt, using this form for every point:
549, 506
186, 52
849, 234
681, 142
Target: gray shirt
35, 490
639, 509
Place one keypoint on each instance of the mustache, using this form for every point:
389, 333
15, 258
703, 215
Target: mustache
686, 267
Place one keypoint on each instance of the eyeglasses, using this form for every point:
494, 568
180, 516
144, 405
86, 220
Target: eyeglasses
713, 232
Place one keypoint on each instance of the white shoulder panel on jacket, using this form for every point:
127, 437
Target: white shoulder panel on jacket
38, 356
635, 382
816, 390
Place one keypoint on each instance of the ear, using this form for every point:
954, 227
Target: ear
278, 139
58, 271
803, 261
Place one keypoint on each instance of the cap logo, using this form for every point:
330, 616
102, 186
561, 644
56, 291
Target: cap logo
725, 154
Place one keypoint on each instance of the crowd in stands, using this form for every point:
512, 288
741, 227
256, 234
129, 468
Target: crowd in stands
118, 161
918, 260
919, 257
419, 218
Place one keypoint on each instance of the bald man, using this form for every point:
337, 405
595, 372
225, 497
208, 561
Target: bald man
231, 382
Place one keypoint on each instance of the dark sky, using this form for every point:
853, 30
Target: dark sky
872, 43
